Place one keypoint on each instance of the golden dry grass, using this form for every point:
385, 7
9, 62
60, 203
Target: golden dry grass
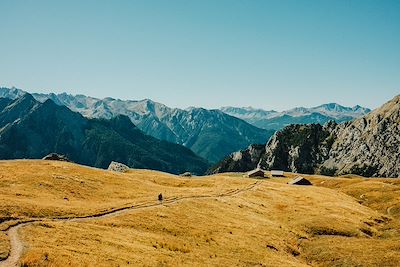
4, 245
42, 189
271, 224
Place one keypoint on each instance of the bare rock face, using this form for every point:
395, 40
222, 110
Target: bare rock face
55, 156
367, 146
298, 148
117, 167
240, 161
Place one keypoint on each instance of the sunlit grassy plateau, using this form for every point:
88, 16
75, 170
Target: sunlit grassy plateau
222, 220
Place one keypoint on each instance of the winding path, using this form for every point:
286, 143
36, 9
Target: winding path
17, 245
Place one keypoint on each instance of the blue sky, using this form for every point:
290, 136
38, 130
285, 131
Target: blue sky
266, 54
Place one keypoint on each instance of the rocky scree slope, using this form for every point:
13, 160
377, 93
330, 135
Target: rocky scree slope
369, 146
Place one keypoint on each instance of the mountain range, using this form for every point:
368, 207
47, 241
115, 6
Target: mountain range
212, 134
367, 146
33, 129
274, 120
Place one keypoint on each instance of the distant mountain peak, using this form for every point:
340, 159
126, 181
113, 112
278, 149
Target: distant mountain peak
39, 128
331, 106
210, 133
24, 100
11, 93
298, 115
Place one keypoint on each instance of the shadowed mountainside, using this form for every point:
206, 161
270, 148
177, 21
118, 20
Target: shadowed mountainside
30, 129
212, 134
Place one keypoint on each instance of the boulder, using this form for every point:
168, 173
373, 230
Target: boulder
55, 156
117, 167
186, 174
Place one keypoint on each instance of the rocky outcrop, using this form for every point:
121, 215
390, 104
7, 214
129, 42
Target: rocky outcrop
240, 161
299, 148
55, 156
367, 146
117, 167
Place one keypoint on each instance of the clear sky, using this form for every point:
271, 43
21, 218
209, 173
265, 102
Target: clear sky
266, 54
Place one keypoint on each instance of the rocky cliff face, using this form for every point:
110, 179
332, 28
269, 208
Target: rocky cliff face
299, 148
368, 146
240, 161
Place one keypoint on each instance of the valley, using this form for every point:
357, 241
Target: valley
211, 134
200, 133
32, 129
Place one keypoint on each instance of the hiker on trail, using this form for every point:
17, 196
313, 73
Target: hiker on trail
160, 197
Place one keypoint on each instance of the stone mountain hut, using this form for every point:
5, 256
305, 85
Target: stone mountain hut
276, 173
255, 173
300, 181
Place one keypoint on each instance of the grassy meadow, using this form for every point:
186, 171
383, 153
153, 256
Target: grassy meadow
219, 220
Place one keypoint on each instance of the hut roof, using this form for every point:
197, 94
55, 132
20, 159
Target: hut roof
276, 173
300, 181
255, 172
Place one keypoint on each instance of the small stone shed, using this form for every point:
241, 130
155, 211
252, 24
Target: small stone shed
300, 181
255, 173
277, 173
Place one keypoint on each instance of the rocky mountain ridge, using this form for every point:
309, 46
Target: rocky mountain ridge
32, 129
212, 134
271, 119
367, 146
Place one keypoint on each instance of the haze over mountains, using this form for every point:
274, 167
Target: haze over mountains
32, 129
367, 146
211, 134
32, 126
271, 119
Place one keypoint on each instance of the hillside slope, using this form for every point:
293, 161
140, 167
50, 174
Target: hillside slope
219, 220
30, 129
211, 134
367, 146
